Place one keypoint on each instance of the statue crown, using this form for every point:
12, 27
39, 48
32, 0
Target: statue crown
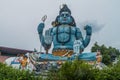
64, 9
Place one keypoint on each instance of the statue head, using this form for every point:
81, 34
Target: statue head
65, 17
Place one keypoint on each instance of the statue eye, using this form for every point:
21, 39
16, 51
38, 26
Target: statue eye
67, 15
62, 15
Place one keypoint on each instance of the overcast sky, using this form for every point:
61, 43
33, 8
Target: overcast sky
19, 20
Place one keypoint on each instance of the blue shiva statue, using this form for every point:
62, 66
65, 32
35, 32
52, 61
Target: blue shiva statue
63, 34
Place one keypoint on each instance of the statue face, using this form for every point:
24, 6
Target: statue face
65, 18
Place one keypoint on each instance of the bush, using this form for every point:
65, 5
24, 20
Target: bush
8, 73
79, 70
76, 70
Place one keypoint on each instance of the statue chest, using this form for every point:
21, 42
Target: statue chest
63, 34
64, 30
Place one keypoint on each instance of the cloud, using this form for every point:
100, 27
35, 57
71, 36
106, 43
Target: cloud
95, 26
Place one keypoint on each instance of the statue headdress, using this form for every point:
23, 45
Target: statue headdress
64, 9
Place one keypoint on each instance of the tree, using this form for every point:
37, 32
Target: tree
75, 70
95, 47
108, 53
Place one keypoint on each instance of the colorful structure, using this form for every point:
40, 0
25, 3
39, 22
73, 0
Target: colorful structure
67, 39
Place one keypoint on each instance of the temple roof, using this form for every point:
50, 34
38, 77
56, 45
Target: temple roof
14, 51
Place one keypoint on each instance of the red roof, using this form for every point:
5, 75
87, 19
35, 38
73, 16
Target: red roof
13, 50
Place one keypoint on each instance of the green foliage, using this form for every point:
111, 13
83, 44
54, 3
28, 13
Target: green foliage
106, 59
95, 47
113, 73
76, 70
106, 52
80, 70
8, 73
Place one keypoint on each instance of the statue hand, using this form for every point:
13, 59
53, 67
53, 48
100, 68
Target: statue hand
48, 37
40, 28
88, 29
41, 25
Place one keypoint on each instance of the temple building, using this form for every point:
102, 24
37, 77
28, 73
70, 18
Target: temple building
6, 52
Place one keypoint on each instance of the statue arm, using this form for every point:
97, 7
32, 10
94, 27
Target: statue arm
47, 39
80, 37
88, 35
85, 41
40, 32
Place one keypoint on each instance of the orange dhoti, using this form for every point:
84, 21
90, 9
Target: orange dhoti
62, 52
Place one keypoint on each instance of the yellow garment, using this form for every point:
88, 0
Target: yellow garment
99, 59
24, 62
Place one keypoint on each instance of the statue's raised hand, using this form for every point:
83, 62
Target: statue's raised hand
88, 29
48, 37
41, 25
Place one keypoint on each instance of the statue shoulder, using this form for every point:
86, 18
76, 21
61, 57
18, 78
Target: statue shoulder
53, 30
